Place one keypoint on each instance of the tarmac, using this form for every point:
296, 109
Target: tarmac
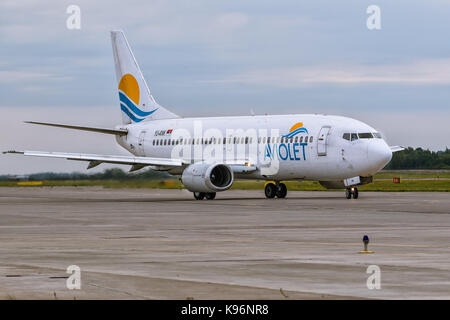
163, 244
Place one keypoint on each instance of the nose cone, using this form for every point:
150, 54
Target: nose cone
379, 154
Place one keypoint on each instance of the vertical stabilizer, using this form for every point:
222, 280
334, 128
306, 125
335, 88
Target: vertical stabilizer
136, 102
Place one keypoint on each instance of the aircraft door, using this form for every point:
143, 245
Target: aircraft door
141, 141
322, 141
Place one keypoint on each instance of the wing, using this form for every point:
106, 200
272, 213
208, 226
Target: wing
238, 166
396, 148
96, 159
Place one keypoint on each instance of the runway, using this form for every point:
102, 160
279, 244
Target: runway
162, 244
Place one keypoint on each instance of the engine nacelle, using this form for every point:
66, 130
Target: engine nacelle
207, 177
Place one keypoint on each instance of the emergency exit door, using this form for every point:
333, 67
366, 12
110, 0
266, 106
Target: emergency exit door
322, 141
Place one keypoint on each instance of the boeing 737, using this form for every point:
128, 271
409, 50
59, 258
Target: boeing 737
210, 153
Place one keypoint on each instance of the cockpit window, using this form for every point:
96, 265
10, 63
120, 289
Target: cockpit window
366, 135
346, 136
377, 135
354, 137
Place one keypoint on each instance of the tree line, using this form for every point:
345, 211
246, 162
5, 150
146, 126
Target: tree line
419, 158
108, 174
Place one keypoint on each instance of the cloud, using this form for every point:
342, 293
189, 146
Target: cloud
423, 72
27, 76
231, 21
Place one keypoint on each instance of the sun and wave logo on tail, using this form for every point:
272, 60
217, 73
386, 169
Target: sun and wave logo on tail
296, 129
129, 96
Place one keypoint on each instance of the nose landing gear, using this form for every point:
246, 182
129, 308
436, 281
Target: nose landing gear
351, 192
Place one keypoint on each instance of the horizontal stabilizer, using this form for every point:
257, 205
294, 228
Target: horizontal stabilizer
120, 132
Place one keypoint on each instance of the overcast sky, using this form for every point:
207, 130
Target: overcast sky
229, 57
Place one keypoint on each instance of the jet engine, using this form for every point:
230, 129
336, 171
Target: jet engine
207, 177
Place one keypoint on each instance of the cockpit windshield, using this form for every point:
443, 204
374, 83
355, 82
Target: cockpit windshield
363, 135
366, 135
377, 135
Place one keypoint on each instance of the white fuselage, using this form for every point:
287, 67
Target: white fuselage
319, 151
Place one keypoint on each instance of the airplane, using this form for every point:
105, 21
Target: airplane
208, 154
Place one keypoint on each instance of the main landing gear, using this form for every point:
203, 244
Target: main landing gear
353, 191
203, 195
273, 190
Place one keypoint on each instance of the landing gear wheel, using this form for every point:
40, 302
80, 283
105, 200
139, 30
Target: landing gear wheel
355, 193
351, 192
199, 195
210, 195
348, 193
270, 190
281, 190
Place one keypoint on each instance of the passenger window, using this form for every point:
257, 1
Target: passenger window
301, 139
354, 136
310, 139
306, 139
264, 139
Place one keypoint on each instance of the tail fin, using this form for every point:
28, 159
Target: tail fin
136, 102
